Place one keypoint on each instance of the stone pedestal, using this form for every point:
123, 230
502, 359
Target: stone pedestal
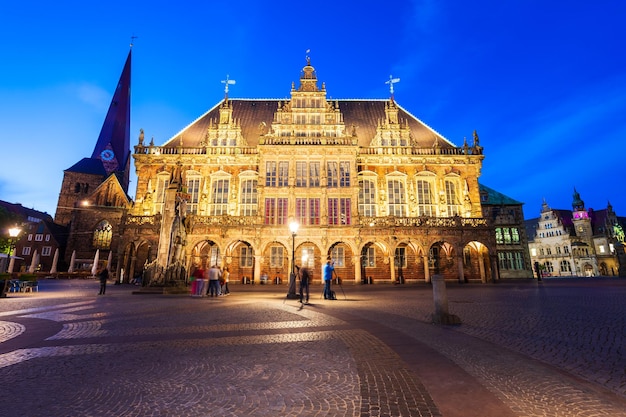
440, 298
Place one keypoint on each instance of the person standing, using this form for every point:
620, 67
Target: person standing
225, 279
329, 268
103, 276
305, 280
197, 285
214, 281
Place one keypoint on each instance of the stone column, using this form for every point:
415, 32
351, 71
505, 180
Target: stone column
257, 269
426, 269
392, 269
356, 259
459, 261
481, 267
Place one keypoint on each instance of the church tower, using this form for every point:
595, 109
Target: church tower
111, 154
582, 222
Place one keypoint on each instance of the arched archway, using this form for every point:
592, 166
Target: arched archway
476, 265
205, 254
241, 261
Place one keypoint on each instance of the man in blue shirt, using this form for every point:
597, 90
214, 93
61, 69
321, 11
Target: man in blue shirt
329, 268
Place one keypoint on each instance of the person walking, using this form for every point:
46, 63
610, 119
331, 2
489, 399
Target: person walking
214, 281
103, 276
329, 268
305, 280
225, 279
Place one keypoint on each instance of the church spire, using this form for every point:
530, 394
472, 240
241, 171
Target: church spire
577, 204
113, 145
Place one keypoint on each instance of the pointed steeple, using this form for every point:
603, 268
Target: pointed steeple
577, 204
113, 145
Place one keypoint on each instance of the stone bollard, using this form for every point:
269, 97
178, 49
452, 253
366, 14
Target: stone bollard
440, 298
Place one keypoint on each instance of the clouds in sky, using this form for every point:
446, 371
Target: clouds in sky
542, 82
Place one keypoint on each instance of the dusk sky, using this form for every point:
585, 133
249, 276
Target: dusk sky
542, 82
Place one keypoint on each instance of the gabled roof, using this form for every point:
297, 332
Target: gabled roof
88, 166
489, 196
26, 213
110, 193
364, 115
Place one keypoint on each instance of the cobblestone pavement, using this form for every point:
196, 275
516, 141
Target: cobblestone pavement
524, 349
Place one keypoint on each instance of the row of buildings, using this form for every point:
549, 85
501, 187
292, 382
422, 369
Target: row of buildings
262, 185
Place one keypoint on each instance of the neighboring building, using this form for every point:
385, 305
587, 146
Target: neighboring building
368, 183
28, 219
507, 217
578, 242
42, 241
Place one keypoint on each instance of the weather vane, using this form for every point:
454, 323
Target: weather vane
391, 82
227, 82
132, 40
308, 58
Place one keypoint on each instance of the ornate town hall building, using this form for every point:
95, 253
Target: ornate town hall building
364, 181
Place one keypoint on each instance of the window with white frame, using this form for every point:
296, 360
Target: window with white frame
26, 250
370, 257
332, 174
397, 199
219, 196
249, 198
283, 173
452, 198
314, 174
38, 237
245, 259
193, 189
163, 181
344, 174
270, 174
367, 197
276, 257
301, 174
338, 256
425, 200
46, 251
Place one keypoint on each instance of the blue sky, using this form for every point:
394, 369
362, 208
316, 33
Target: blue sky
543, 83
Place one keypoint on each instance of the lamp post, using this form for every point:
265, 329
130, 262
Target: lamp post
293, 227
13, 234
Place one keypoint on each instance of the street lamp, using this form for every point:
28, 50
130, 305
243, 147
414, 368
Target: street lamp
293, 227
13, 234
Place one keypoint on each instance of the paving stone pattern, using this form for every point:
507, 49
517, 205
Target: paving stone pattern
550, 350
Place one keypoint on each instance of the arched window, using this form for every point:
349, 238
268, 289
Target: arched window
102, 235
193, 189
367, 197
452, 198
163, 181
249, 198
397, 199
424, 194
